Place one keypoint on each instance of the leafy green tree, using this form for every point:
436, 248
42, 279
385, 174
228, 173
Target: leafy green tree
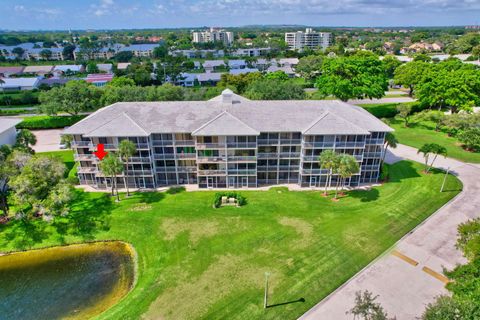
35, 183
92, 67
46, 54
410, 74
367, 308
25, 139
277, 75
11, 162
329, 160
347, 167
126, 149
66, 140
68, 51
111, 166
470, 138
390, 142
390, 63
121, 82
160, 52
448, 308
429, 149
422, 57
18, 51
309, 67
124, 56
435, 116
274, 90
359, 76
75, 97
404, 112
239, 82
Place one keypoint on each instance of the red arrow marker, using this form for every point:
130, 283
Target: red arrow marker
100, 153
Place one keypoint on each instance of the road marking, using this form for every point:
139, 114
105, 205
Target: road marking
436, 275
400, 255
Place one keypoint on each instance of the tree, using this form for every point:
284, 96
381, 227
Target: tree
435, 116
25, 139
328, 160
124, 56
33, 187
11, 162
121, 82
75, 97
269, 89
448, 308
68, 51
470, 139
160, 52
126, 149
111, 166
410, 74
66, 140
390, 63
404, 111
92, 67
238, 82
359, 76
309, 67
390, 141
367, 308
277, 75
347, 167
429, 149
46, 54
18, 51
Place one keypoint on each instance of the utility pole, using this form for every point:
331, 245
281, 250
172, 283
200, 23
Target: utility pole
444, 179
265, 304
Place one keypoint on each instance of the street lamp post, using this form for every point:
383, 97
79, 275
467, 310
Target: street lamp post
444, 179
265, 304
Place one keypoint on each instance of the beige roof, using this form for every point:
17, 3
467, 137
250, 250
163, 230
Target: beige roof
239, 114
37, 69
8, 123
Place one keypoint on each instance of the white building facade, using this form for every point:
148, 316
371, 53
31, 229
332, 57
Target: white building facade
213, 35
308, 39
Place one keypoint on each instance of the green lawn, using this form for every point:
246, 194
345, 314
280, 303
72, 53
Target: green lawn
67, 158
195, 261
417, 135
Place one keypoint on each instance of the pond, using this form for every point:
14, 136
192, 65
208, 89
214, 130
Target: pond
74, 282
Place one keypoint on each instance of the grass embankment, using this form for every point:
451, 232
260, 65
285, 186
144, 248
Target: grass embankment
417, 134
48, 122
195, 261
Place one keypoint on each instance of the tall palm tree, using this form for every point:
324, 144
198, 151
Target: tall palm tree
329, 160
126, 149
390, 141
348, 166
112, 166
431, 148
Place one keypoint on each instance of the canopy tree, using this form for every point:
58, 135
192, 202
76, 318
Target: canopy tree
410, 74
273, 89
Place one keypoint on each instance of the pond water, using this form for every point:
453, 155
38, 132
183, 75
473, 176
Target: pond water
74, 282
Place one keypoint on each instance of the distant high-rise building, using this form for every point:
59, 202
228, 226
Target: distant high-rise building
213, 35
308, 39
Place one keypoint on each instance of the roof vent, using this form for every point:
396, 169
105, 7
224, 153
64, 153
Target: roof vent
227, 96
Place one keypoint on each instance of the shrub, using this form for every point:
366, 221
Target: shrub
470, 138
49, 122
384, 173
217, 202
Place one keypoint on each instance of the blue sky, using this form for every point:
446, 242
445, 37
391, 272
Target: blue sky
114, 14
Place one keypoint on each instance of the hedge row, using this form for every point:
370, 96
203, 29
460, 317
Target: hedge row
49, 122
241, 200
18, 99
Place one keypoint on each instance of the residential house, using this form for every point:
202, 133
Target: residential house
288, 62
105, 67
237, 64
212, 65
55, 53
38, 70
140, 50
99, 79
68, 69
10, 71
230, 142
251, 52
8, 132
287, 69
123, 65
243, 71
187, 79
209, 78
15, 84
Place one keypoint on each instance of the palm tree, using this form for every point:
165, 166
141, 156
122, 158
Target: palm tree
126, 149
390, 141
348, 166
112, 166
431, 148
328, 160
25, 139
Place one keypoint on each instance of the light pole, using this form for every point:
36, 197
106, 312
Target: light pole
444, 179
267, 274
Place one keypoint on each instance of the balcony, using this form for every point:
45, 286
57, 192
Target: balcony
81, 144
347, 144
370, 167
290, 141
326, 144
186, 155
203, 146
163, 156
165, 169
267, 155
187, 169
140, 172
211, 172
139, 159
87, 170
372, 154
267, 142
314, 171
310, 158
289, 154
242, 158
242, 172
162, 142
374, 141
184, 142
242, 145
211, 159
85, 157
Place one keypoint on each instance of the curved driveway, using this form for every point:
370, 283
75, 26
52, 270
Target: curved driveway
409, 276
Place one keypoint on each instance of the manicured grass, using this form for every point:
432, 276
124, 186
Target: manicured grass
417, 135
195, 261
384, 110
49, 122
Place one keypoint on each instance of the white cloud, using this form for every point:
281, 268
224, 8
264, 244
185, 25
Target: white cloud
103, 8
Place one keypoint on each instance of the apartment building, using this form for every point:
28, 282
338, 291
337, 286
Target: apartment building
308, 39
213, 35
229, 142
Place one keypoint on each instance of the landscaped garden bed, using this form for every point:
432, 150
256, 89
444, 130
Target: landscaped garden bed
195, 261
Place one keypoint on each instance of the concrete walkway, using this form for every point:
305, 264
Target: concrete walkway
408, 277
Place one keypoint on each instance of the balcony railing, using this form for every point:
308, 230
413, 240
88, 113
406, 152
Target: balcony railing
242, 158
140, 159
311, 158
85, 157
202, 159
210, 146
327, 144
187, 169
81, 143
267, 155
140, 172
87, 170
242, 145
290, 141
211, 172
374, 141
372, 154
314, 171
346, 144
165, 169
289, 154
184, 142
266, 142
370, 167
163, 156
162, 142
186, 155
242, 172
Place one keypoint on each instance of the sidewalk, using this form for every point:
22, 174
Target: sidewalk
409, 276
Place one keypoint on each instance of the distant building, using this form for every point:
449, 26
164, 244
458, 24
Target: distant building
251, 52
31, 51
99, 79
198, 53
308, 39
243, 70
140, 50
67, 69
105, 67
38, 70
8, 132
123, 65
237, 64
211, 65
10, 71
15, 84
213, 35
209, 78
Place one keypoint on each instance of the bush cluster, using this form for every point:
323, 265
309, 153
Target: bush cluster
49, 122
18, 99
241, 200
